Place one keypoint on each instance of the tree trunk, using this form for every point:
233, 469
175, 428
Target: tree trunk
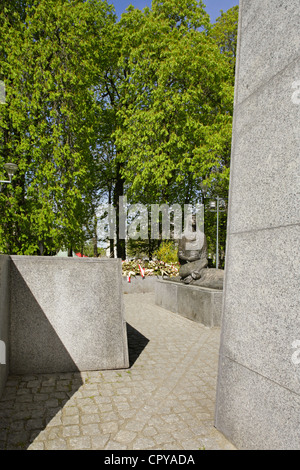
118, 191
111, 240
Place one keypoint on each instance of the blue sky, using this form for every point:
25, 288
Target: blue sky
213, 7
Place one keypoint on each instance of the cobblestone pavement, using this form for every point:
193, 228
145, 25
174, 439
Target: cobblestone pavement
164, 401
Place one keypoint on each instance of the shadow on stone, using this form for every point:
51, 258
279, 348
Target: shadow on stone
29, 403
35, 347
62, 320
136, 343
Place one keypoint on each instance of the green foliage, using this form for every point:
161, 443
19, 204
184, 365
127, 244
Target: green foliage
89, 250
96, 108
167, 252
178, 94
225, 31
47, 125
140, 249
211, 230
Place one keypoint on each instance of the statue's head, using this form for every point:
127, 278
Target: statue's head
192, 224
193, 234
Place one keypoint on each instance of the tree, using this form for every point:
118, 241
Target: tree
180, 94
170, 89
51, 57
177, 122
97, 109
225, 31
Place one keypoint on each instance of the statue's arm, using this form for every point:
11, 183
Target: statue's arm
192, 258
181, 251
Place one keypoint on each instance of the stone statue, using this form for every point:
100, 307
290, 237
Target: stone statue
192, 252
192, 255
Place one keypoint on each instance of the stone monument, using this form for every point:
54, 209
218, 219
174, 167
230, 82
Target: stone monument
196, 293
258, 392
192, 256
61, 315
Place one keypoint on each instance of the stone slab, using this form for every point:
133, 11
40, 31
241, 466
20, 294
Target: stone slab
198, 304
139, 285
166, 295
262, 302
265, 171
269, 42
66, 315
258, 392
257, 413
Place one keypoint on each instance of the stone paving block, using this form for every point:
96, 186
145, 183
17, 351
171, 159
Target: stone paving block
163, 401
172, 446
99, 441
90, 429
70, 410
163, 438
143, 443
110, 427
37, 446
71, 431
56, 444
90, 419
80, 443
113, 445
125, 436
54, 433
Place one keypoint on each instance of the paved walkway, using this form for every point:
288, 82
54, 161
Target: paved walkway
164, 401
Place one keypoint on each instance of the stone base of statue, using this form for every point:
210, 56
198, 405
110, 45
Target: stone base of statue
199, 301
210, 277
197, 292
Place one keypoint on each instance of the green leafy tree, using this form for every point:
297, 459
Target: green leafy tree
167, 252
50, 60
96, 109
179, 90
225, 31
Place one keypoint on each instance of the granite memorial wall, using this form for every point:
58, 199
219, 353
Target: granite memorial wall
258, 393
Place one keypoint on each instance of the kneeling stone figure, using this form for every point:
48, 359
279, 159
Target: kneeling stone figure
192, 255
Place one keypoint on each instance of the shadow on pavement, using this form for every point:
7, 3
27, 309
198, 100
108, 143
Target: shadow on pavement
136, 343
29, 403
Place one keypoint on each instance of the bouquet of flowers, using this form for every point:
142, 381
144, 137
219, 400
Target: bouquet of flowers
149, 268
